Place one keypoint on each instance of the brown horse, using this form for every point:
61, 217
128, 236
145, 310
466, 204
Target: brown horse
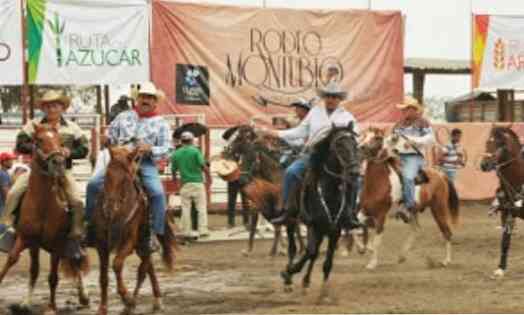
503, 155
43, 221
382, 192
122, 219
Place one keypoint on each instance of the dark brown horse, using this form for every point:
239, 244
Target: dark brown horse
43, 220
503, 155
122, 221
262, 178
382, 192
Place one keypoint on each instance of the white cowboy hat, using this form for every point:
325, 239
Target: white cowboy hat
332, 89
54, 96
410, 101
148, 88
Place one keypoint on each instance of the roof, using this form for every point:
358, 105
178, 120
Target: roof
475, 95
437, 66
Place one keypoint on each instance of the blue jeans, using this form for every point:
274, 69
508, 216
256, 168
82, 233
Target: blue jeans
451, 173
411, 164
294, 174
152, 185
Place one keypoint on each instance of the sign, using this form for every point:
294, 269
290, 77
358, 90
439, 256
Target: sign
217, 60
498, 52
11, 56
88, 41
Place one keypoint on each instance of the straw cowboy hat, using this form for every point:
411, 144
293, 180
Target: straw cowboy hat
54, 96
410, 101
332, 89
148, 88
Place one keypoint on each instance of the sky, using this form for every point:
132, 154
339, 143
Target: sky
434, 29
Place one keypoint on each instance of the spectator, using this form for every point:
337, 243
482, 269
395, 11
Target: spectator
120, 106
452, 158
189, 161
17, 170
6, 162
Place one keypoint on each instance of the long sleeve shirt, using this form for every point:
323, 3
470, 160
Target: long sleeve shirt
316, 120
419, 131
150, 130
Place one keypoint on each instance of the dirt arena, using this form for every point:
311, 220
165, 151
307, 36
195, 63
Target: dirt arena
215, 278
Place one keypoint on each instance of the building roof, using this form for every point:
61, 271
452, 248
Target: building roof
475, 95
437, 66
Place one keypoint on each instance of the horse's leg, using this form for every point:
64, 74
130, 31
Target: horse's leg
157, 304
141, 275
291, 269
442, 222
118, 266
300, 239
413, 232
291, 229
53, 283
504, 245
83, 294
377, 241
34, 271
348, 243
276, 240
13, 256
313, 254
103, 255
252, 231
328, 263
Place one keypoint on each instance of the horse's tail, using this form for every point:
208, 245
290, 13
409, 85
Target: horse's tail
453, 202
72, 268
168, 247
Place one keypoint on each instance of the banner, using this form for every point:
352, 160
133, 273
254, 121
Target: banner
498, 52
227, 62
11, 57
88, 41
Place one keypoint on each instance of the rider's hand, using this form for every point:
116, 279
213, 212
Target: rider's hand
66, 152
144, 148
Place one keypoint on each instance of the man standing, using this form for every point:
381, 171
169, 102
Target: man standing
189, 161
6, 162
319, 117
418, 134
143, 128
452, 158
53, 104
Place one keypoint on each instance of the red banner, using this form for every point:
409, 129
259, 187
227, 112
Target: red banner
218, 60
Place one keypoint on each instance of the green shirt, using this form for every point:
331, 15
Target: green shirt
190, 162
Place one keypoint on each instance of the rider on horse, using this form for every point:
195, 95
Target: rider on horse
318, 119
418, 134
53, 104
143, 128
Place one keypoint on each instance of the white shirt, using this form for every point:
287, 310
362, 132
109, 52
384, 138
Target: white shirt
316, 120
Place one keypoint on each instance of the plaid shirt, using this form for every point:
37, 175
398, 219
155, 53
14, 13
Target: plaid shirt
153, 130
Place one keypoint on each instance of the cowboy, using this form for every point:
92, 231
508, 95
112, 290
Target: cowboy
6, 162
189, 161
145, 130
319, 118
302, 108
75, 146
418, 134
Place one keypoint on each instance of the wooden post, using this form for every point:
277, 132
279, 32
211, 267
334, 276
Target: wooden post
98, 100
106, 98
505, 105
418, 85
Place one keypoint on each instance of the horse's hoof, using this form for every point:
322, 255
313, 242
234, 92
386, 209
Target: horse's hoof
282, 253
444, 263
401, 259
102, 310
372, 265
20, 309
50, 311
245, 253
83, 300
288, 288
498, 274
344, 253
306, 284
158, 306
286, 276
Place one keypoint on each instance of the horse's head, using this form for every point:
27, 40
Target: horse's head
502, 147
48, 151
372, 142
337, 153
240, 139
119, 182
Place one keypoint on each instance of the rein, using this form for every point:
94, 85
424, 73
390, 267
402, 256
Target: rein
42, 160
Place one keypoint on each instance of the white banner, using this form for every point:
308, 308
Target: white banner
88, 41
11, 57
498, 47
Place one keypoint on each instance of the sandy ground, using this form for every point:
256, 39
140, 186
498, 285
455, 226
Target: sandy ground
216, 278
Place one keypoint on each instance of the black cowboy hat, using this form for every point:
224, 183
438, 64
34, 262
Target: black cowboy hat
197, 129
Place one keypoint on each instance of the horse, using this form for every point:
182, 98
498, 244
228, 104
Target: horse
262, 173
382, 192
122, 221
326, 192
43, 221
503, 155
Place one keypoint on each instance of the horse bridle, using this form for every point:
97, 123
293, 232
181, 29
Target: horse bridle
333, 148
43, 159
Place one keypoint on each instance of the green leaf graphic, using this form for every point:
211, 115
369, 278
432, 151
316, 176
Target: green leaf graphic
34, 32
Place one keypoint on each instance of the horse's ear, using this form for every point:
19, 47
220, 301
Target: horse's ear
351, 126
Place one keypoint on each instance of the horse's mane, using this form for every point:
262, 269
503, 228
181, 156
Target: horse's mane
269, 167
320, 153
508, 131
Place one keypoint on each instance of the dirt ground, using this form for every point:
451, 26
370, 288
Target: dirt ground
215, 278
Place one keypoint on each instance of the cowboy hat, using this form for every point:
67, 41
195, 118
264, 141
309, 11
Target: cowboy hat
332, 89
301, 103
410, 101
54, 96
148, 88
6, 156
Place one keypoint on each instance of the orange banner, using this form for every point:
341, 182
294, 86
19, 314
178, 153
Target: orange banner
218, 60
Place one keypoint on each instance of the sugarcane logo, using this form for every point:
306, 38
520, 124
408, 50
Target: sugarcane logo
57, 27
498, 54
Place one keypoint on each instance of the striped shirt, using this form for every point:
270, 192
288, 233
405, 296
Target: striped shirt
451, 156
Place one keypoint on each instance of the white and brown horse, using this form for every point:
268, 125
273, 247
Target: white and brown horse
382, 192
